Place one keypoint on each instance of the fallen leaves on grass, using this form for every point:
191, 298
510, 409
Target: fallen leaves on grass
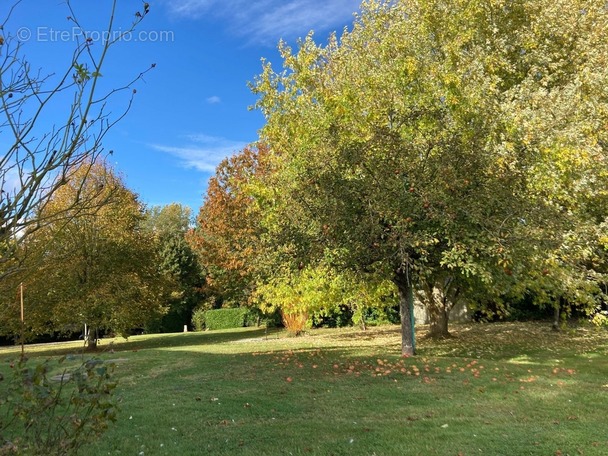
486, 347
427, 370
561, 370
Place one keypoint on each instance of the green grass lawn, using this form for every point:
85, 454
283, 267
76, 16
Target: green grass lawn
494, 389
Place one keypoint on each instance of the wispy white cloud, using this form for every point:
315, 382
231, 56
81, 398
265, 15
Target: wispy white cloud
10, 180
214, 99
266, 21
202, 152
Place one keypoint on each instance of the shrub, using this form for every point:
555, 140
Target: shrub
273, 319
375, 316
44, 416
600, 318
254, 317
198, 319
295, 322
334, 317
226, 318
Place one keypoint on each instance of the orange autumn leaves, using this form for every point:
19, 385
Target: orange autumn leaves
299, 364
228, 225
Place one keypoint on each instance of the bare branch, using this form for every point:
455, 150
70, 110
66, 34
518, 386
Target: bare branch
36, 164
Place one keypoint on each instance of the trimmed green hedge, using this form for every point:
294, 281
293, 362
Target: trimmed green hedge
226, 318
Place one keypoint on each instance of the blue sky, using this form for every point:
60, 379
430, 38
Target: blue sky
191, 111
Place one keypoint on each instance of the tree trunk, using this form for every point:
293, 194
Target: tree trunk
406, 309
438, 306
556, 312
90, 338
438, 321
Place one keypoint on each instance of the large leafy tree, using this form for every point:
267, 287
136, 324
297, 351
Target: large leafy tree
439, 141
98, 268
53, 121
169, 226
167, 221
228, 230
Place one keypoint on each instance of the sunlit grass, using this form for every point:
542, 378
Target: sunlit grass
492, 389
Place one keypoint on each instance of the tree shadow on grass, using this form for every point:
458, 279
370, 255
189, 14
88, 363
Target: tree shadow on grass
143, 342
491, 341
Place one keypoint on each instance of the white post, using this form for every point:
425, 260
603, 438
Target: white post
22, 321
